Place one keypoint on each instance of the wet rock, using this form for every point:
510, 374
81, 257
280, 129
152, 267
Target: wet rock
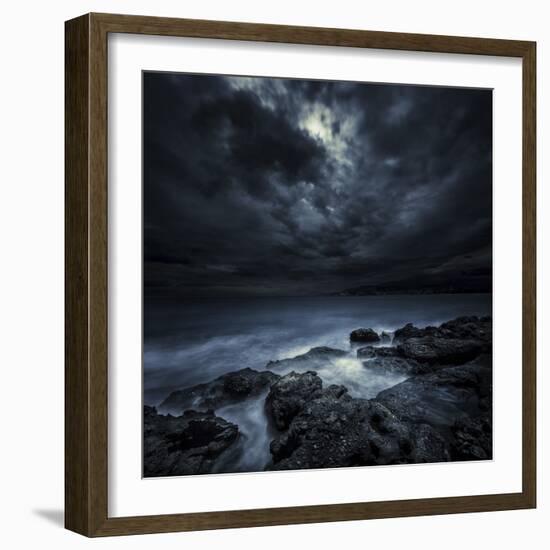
442, 397
410, 331
333, 431
364, 335
183, 445
429, 444
389, 359
469, 328
442, 351
385, 337
224, 390
461, 328
397, 365
455, 401
335, 390
289, 394
313, 359
369, 352
473, 438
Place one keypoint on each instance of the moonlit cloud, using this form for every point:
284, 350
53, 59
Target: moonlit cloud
256, 186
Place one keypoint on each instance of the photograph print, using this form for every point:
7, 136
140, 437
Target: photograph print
317, 274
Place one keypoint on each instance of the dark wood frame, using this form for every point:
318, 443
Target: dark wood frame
86, 274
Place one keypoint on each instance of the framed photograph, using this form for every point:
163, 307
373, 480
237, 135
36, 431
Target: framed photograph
300, 275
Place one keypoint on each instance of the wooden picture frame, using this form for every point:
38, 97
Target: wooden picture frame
86, 364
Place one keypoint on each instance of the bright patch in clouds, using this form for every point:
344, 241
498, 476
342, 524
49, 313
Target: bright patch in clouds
335, 131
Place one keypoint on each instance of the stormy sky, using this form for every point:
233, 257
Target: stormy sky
279, 187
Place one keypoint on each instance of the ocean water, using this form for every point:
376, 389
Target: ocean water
193, 341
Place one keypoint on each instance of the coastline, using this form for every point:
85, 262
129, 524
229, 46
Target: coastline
439, 410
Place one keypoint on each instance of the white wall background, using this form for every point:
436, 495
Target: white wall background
31, 274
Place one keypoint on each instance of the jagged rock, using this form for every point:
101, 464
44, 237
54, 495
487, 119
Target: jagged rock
473, 438
453, 343
455, 401
385, 337
462, 328
410, 331
183, 445
364, 335
313, 359
396, 364
440, 412
368, 352
336, 430
429, 444
440, 398
289, 394
429, 350
442, 351
469, 328
226, 389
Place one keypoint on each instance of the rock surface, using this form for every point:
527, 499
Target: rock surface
226, 389
288, 396
364, 335
396, 364
473, 437
313, 359
462, 328
432, 417
410, 331
456, 401
439, 398
183, 445
369, 352
475, 328
440, 412
334, 429
442, 351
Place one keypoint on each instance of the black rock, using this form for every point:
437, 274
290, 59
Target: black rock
471, 328
442, 397
442, 351
462, 328
410, 331
183, 445
289, 394
389, 359
336, 430
396, 364
368, 352
456, 401
473, 438
429, 444
313, 359
364, 335
226, 389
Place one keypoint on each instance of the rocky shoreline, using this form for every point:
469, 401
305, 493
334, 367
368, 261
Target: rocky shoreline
440, 411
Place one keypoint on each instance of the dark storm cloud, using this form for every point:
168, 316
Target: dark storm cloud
268, 186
